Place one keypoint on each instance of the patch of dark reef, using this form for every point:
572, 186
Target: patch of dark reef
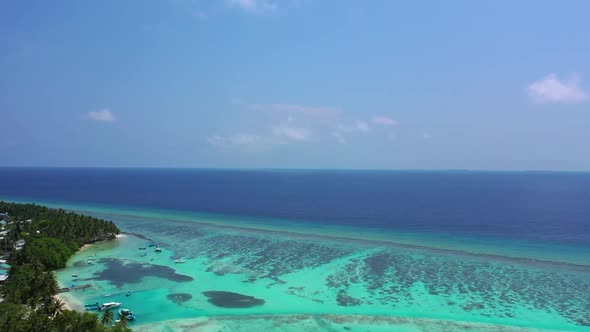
268, 258
232, 300
119, 272
346, 300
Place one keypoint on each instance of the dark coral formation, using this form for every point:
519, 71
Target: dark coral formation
346, 300
232, 300
119, 272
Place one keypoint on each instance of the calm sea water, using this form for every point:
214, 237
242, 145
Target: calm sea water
538, 206
503, 249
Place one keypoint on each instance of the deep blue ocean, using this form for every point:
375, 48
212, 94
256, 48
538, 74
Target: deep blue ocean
538, 206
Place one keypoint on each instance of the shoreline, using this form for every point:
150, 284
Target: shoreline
67, 304
83, 248
70, 301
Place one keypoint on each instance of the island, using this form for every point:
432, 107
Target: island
34, 241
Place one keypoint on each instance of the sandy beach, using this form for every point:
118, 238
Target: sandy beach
69, 303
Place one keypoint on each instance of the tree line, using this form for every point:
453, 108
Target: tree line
51, 237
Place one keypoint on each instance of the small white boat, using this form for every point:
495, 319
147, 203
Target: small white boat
74, 275
109, 305
89, 262
158, 249
179, 261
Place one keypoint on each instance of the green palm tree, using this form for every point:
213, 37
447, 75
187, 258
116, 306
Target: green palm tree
44, 287
107, 318
124, 322
55, 307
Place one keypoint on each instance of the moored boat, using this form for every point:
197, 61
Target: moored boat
127, 313
109, 305
92, 306
179, 261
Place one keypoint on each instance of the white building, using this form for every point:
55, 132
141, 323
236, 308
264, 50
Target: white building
19, 244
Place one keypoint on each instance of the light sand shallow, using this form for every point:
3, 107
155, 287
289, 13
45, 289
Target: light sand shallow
85, 247
295, 323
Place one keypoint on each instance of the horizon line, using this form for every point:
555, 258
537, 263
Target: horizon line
302, 169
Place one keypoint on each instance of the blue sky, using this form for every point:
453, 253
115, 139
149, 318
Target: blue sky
298, 84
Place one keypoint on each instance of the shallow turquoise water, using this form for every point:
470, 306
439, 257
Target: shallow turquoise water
342, 275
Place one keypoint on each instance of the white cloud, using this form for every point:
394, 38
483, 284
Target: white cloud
358, 126
342, 131
237, 139
280, 135
292, 133
383, 121
254, 5
553, 90
104, 115
290, 109
244, 142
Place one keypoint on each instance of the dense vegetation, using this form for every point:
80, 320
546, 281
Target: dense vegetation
50, 236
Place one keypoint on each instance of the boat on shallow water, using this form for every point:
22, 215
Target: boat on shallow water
74, 275
109, 305
179, 261
158, 249
92, 306
127, 313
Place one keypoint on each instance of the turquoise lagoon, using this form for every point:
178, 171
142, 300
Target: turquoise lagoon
296, 276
